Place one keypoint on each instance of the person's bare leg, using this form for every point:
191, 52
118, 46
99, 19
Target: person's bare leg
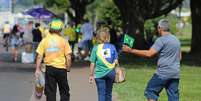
79, 53
86, 53
150, 100
13, 54
16, 55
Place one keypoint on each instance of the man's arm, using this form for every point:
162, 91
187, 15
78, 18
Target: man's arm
68, 62
38, 64
143, 53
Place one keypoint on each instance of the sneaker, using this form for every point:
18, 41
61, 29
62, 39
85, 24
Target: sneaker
87, 58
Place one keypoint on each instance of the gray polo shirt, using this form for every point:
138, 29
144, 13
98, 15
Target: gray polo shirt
168, 48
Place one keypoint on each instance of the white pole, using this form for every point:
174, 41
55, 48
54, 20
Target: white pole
65, 19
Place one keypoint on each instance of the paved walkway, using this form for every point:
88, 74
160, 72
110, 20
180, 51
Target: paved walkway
80, 89
17, 81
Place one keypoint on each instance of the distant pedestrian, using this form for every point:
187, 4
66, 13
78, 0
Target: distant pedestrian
6, 34
6, 29
37, 37
103, 59
28, 36
167, 46
57, 58
85, 45
15, 42
70, 35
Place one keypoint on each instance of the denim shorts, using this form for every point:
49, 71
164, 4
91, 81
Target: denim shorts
156, 85
85, 44
14, 46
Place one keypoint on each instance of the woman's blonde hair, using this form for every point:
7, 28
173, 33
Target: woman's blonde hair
103, 35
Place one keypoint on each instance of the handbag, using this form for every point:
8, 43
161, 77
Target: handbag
120, 75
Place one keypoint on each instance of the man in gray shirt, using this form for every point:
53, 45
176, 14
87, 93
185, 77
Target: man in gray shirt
167, 46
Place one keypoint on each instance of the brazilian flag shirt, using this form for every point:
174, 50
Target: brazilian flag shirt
103, 56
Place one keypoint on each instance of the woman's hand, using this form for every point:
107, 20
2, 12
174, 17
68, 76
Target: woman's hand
91, 79
91, 73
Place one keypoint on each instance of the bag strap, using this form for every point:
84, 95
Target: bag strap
99, 54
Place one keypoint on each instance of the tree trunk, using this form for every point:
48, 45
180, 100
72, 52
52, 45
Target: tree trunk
196, 29
135, 12
134, 26
136, 29
79, 7
79, 13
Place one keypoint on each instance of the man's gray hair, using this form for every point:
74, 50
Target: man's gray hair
164, 24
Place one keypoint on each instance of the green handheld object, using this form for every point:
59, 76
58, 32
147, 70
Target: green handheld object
128, 40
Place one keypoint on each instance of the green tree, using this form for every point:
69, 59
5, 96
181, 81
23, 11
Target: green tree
135, 12
78, 9
196, 22
107, 10
25, 2
57, 6
36, 2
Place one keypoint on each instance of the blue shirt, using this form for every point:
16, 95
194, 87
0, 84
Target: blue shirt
87, 31
168, 48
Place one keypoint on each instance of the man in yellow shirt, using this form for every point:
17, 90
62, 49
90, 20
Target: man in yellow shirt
6, 33
56, 52
70, 34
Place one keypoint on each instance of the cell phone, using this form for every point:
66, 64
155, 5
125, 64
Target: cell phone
128, 40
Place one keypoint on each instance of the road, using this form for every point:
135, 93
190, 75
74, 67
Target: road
17, 80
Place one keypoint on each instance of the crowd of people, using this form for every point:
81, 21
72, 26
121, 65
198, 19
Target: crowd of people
56, 52
54, 47
81, 37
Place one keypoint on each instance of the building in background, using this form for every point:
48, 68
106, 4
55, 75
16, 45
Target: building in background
6, 5
6, 12
11, 10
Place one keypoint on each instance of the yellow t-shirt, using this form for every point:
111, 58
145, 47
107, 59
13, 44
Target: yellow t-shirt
46, 33
54, 48
70, 33
6, 28
42, 29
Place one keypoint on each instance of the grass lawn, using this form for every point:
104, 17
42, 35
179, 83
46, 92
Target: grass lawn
139, 75
139, 72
